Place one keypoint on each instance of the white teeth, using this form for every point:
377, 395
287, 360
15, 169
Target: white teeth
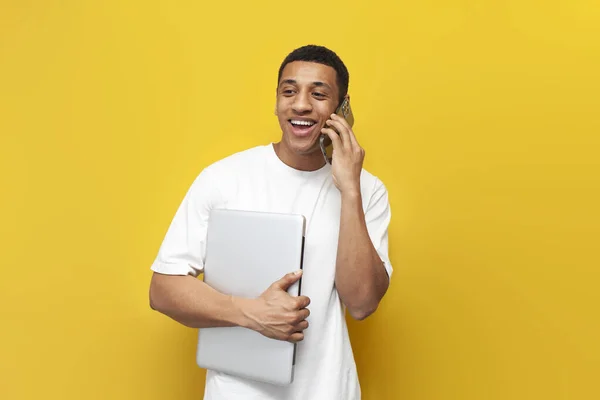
304, 123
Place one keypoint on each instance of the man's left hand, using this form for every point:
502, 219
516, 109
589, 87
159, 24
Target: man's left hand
347, 156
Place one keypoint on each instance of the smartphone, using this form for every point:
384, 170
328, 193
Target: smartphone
345, 111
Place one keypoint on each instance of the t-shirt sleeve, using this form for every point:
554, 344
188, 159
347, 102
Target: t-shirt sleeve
377, 216
183, 248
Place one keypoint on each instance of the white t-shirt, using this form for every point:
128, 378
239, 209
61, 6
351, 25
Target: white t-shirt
257, 180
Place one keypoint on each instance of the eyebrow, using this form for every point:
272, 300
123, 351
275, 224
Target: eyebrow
293, 82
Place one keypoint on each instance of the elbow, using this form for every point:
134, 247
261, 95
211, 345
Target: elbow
152, 302
363, 305
153, 296
158, 302
362, 313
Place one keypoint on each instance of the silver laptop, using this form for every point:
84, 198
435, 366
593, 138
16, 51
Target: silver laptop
245, 253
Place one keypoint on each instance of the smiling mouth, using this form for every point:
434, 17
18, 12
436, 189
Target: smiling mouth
302, 127
301, 123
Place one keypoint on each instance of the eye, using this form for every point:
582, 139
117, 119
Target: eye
317, 94
287, 92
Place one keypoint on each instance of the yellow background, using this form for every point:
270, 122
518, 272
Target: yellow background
482, 118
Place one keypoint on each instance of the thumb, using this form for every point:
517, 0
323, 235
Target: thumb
288, 279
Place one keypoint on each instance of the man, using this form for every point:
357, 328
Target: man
346, 264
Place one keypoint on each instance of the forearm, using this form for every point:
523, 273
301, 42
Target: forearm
193, 303
361, 279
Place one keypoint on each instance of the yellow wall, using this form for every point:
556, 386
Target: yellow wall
482, 117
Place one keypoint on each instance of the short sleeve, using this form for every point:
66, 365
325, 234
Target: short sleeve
183, 249
377, 216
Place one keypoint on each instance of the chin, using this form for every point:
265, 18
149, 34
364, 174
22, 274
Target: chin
302, 145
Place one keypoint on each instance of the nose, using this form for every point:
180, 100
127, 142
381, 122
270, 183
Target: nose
302, 103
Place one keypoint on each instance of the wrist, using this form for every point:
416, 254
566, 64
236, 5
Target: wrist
241, 307
351, 194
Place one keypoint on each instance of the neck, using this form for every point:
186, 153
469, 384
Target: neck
304, 162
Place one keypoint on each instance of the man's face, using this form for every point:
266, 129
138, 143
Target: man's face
306, 96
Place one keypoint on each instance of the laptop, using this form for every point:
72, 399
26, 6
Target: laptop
246, 251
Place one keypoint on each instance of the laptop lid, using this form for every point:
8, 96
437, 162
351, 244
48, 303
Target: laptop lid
246, 251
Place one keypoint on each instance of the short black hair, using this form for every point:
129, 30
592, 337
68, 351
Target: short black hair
321, 55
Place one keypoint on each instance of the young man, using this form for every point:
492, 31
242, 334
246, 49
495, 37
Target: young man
346, 264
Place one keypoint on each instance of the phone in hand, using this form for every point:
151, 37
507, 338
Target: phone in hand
345, 111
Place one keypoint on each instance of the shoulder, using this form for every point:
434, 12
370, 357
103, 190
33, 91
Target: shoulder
238, 161
370, 184
214, 178
234, 164
374, 192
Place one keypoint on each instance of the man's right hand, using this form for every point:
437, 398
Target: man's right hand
276, 314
